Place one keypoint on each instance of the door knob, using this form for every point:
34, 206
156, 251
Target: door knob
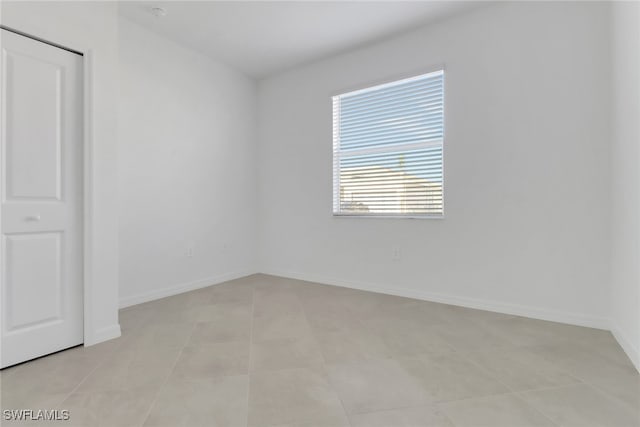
33, 218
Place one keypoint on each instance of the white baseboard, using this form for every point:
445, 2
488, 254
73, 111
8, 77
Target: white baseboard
495, 306
627, 346
181, 287
104, 334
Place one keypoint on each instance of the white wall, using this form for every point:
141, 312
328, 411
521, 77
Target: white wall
625, 310
526, 167
92, 26
187, 178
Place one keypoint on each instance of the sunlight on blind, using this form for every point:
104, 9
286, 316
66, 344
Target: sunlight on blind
387, 149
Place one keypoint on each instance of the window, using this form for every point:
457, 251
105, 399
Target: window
387, 149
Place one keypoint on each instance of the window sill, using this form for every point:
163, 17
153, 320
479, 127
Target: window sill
342, 215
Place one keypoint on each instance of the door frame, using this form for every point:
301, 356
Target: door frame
87, 174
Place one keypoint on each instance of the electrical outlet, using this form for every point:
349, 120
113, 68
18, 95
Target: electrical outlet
396, 253
190, 251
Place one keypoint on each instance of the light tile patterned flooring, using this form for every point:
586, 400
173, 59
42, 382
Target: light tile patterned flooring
267, 351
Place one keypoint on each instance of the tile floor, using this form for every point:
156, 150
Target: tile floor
267, 351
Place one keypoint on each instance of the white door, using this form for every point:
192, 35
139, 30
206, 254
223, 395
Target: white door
41, 193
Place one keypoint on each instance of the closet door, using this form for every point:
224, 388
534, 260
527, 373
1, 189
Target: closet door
41, 195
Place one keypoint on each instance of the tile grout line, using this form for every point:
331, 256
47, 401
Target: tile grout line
99, 364
424, 404
533, 390
166, 380
583, 381
622, 406
512, 391
253, 305
324, 361
396, 357
578, 379
509, 390
468, 358
530, 405
615, 401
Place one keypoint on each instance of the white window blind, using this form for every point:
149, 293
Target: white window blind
387, 149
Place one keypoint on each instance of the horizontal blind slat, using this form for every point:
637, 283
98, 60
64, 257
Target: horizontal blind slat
406, 102
356, 120
434, 86
390, 141
394, 151
412, 163
396, 128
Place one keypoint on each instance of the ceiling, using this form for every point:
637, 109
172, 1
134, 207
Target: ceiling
263, 37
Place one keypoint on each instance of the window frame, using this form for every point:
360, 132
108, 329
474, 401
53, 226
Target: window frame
335, 154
